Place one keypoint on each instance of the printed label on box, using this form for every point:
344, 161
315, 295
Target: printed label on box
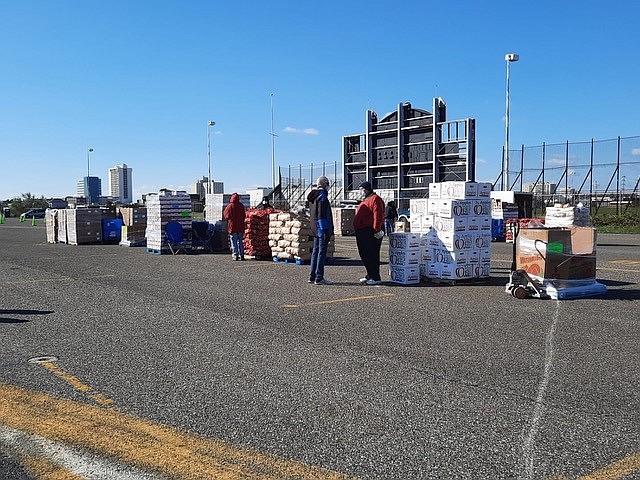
482, 206
434, 190
455, 271
418, 206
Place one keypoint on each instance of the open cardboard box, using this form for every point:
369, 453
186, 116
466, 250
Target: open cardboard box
557, 253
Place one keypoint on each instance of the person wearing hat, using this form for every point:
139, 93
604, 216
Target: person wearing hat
322, 228
368, 223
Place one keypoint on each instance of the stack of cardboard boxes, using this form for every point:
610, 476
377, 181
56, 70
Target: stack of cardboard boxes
162, 208
343, 221
454, 224
404, 257
215, 203
84, 225
134, 224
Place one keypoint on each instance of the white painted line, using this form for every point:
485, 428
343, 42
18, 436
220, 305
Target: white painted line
529, 442
83, 464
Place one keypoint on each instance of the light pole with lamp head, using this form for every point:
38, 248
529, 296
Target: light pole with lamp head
209, 125
89, 150
509, 57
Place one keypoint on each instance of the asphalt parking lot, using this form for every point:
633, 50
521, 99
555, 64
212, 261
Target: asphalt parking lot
195, 366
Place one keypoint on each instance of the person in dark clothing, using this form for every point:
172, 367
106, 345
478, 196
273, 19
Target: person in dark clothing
322, 228
264, 205
234, 214
390, 216
369, 226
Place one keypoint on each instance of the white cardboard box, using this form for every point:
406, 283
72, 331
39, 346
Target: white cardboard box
481, 206
485, 255
484, 189
456, 224
454, 208
427, 255
460, 241
482, 269
434, 190
405, 275
459, 190
430, 270
404, 240
442, 255
418, 206
482, 240
404, 258
456, 271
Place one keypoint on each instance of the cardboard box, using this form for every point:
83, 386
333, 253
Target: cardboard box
405, 275
482, 269
418, 206
430, 270
459, 190
456, 224
435, 189
482, 240
485, 255
404, 240
427, 255
404, 258
460, 241
454, 208
481, 206
456, 271
557, 253
442, 255
484, 190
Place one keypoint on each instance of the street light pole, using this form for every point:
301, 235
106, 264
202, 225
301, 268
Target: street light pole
89, 150
273, 149
509, 57
209, 125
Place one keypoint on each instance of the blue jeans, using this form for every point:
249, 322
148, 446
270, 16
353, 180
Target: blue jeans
236, 244
389, 226
318, 257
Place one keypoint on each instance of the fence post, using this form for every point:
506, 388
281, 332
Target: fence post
591, 176
544, 187
521, 166
618, 179
566, 172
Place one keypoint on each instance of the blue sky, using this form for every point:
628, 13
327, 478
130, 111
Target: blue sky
138, 81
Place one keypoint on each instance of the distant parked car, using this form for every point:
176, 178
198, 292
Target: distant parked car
33, 213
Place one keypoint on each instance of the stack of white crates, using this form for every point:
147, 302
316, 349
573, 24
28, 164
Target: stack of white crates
455, 228
162, 208
404, 257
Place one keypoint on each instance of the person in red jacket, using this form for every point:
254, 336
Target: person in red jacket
234, 214
368, 223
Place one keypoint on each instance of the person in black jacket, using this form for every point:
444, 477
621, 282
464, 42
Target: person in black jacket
322, 229
390, 216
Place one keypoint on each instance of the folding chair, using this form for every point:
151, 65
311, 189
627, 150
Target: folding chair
201, 234
174, 237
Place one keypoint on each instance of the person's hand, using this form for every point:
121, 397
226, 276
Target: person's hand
379, 234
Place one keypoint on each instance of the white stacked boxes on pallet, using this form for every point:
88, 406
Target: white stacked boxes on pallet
343, 221
461, 245
62, 225
215, 203
162, 208
404, 257
84, 225
51, 222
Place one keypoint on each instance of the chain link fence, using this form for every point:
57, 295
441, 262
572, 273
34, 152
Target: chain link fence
602, 173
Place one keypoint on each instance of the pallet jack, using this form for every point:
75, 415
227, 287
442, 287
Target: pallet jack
521, 285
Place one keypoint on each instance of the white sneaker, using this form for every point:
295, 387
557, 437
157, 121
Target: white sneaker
363, 280
324, 281
372, 282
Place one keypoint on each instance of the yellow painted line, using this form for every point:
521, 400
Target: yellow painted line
61, 279
617, 470
99, 398
42, 468
141, 443
626, 262
339, 300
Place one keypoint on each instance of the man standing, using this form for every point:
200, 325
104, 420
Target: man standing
322, 228
369, 226
234, 214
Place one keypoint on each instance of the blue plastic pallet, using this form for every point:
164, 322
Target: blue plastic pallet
286, 260
157, 252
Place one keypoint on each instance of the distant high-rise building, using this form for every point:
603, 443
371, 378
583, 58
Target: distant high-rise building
200, 187
80, 188
120, 184
92, 190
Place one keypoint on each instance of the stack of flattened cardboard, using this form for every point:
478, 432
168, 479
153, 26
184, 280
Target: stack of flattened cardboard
215, 203
162, 208
84, 225
51, 220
